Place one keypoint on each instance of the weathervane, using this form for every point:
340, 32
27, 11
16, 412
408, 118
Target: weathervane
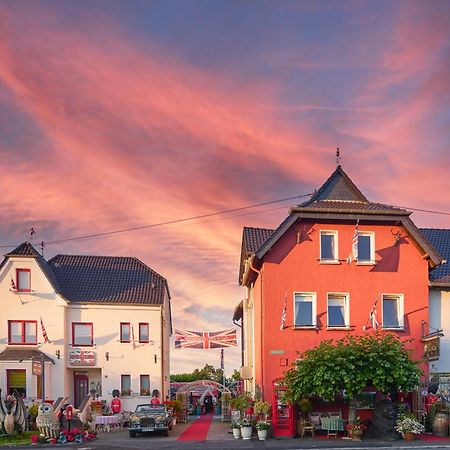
338, 156
32, 233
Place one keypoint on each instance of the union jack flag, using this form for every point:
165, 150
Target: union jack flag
353, 256
82, 358
205, 339
44, 333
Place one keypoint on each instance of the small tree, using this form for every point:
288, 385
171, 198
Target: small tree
351, 364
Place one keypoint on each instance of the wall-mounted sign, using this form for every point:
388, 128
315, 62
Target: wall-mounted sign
277, 352
431, 349
37, 368
81, 358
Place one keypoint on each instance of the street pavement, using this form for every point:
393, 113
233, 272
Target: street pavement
220, 438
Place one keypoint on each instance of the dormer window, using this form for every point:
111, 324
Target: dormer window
23, 280
328, 246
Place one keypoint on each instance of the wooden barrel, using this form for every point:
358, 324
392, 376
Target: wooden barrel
440, 424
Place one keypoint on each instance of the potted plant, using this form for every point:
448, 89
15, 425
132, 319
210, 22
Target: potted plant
408, 427
355, 429
262, 409
236, 428
263, 428
246, 428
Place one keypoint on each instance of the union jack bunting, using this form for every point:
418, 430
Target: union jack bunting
44, 333
205, 339
353, 256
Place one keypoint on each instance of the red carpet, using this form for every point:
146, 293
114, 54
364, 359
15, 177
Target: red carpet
431, 438
198, 430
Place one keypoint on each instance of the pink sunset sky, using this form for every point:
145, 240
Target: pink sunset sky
119, 114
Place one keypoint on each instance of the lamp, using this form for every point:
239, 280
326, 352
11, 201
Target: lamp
107, 356
156, 359
58, 354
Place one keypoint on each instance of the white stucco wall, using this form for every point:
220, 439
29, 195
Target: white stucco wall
440, 318
151, 358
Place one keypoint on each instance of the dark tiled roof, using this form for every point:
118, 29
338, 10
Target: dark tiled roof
108, 279
253, 238
440, 239
339, 194
25, 249
351, 207
25, 354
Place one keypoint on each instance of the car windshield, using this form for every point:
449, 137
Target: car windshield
150, 408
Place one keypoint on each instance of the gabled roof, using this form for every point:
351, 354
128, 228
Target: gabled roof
25, 249
440, 239
23, 354
108, 279
337, 199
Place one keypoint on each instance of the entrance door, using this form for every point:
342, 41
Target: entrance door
80, 387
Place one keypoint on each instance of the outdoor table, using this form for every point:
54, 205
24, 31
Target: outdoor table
332, 425
107, 423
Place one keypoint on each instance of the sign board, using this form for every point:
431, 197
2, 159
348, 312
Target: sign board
81, 358
277, 352
37, 368
431, 349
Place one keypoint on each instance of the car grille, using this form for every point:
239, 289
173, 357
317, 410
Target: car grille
147, 422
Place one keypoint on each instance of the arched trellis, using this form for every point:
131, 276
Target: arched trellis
205, 386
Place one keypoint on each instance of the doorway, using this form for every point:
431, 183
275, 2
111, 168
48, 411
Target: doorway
80, 387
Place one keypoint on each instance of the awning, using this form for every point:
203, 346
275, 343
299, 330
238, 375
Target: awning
23, 354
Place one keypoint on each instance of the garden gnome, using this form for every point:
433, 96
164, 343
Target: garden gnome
116, 405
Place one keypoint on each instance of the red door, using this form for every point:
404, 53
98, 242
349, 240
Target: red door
80, 387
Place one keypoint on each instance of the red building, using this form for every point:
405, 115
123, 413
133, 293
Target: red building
304, 282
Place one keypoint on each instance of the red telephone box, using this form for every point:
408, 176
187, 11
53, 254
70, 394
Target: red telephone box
282, 412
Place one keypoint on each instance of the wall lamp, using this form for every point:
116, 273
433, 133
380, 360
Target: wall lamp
107, 356
58, 354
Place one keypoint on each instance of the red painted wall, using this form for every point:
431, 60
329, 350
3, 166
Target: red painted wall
290, 267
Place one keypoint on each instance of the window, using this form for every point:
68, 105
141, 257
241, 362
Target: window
125, 385
366, 247
305, 309
328, 246
145, 385
22, 332
16, 380
393, 311
338, 310
125, 332
144, 332
82, 334
23, 280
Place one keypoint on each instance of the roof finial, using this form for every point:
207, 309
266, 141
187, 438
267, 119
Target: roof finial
338, 157
32, 233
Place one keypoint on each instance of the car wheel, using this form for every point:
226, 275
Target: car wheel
132, 434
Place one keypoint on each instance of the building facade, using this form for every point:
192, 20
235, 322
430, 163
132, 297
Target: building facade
312, 279
78, 325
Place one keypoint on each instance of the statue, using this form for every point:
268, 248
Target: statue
385, 418
47, 421
12, 410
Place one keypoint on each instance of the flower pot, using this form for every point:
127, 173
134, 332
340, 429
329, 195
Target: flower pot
356, 434
174, 421
9, 423
236, 433
440, 424
262, 435
246, 432
409, 436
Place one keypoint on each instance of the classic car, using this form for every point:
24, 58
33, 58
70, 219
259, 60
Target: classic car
149, 418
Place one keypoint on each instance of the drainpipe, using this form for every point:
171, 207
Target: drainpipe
259, 272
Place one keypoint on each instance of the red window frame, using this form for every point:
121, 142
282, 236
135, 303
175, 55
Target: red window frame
19, 289
23, 322
148, 332
74, 344
129, 332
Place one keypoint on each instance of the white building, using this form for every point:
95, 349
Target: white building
107, 320
440, 302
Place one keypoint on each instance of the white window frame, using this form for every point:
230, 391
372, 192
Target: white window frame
400, 311
346, 296
314, 309
334, 260
371, 234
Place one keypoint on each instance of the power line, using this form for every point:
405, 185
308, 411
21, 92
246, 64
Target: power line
170, 222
